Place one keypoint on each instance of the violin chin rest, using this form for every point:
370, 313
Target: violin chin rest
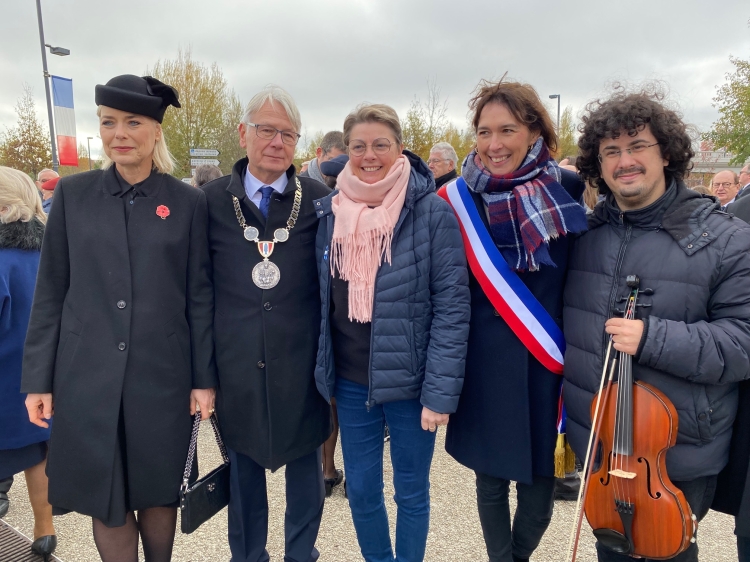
614, 541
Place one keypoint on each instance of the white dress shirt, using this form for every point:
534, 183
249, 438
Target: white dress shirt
253, 185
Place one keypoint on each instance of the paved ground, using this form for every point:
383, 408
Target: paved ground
455, 534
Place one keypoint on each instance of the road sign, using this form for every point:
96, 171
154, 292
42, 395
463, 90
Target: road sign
202, 161
203, 152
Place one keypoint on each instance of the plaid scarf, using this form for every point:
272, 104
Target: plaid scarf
527, 208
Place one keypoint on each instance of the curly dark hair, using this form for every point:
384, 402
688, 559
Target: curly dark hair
631, 112
523, 103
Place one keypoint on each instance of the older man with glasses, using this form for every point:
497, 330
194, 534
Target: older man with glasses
262, 226
442, 163
725, 187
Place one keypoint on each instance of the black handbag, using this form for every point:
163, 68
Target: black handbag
205, 497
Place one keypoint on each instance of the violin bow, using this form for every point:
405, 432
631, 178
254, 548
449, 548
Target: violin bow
596, 425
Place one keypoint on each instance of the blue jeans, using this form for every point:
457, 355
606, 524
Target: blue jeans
411, 456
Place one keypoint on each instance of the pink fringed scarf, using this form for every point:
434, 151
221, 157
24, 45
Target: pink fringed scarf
366, 215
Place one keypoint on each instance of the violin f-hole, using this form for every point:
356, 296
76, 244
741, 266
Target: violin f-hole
651, 493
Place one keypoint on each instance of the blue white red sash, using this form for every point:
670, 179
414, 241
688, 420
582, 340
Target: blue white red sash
520, 309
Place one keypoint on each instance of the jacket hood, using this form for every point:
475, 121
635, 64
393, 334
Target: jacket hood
681, 211
22, 235
421, 182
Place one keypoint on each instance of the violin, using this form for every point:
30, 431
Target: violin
631, 504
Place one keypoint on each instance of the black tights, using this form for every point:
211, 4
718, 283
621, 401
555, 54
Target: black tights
156, 527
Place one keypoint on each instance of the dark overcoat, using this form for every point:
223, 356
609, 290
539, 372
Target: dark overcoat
732, 490
266, 340
120, 329
20, 243
505, 424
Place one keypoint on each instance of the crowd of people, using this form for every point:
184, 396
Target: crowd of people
371, 293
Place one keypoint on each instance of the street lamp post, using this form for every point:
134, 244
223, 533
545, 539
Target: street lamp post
553, 96
88, 145
60, 51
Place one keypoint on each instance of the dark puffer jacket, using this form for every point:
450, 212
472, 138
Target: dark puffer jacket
695, 259
420, 317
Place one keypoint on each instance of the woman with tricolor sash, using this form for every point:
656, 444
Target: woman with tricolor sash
517, 209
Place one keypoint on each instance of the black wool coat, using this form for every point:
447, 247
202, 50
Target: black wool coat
266, 340
121, 322
506, 422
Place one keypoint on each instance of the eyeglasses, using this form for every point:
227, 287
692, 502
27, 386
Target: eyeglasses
266, 132
725, 185
436, 160
613, 154
379, 146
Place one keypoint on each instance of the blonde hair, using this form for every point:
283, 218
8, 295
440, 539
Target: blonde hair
373, 113
162, 159
19, 194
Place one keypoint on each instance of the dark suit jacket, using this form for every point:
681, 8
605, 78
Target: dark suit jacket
266, 340
120, 332
741, 207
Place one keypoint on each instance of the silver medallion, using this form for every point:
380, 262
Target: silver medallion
281, 234
251, 233
266, 274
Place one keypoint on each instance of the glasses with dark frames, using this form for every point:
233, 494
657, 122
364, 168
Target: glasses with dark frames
266, 132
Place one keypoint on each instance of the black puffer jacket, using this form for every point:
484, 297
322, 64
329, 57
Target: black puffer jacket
697, 320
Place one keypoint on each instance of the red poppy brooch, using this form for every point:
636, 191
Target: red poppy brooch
162, 211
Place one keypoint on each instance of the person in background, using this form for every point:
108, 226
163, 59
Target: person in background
45, 175
702, 189
332, 475
205, 174
120, 343
725, 186
505, 427
395, 314
442, 163
23, 445
744, 181
331, 146
48, 192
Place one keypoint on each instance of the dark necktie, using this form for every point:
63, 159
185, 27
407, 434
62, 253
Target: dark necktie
265, 201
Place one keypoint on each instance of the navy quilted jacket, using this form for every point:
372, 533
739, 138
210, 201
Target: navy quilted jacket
420, 321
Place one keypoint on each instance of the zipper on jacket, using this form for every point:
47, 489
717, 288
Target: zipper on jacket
616, 280
396, 230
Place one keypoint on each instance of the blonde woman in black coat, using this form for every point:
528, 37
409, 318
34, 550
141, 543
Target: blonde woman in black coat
120, 345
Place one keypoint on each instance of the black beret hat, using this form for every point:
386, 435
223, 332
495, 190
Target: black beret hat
142, 96
334, 166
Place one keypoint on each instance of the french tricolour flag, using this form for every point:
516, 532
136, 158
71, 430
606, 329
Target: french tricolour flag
65, 121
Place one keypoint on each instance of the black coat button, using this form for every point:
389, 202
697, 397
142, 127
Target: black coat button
120, 304
121, 346
702, 416
267, 306
496, 313
261, 365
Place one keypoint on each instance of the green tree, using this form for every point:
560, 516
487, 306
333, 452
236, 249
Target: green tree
26, 147
306, 148
567, 144
425, 123
208, 108
732, 130
462, 141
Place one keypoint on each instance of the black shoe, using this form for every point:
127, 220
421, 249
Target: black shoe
386, 435
45, 546
566, 489
331, 483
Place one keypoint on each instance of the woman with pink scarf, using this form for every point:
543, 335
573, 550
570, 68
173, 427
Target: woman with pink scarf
395, 320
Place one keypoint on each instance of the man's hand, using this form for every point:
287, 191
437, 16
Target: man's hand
204, 399
626, 334
431, 420
40, 408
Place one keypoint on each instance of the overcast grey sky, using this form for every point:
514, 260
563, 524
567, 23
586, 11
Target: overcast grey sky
334, 54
